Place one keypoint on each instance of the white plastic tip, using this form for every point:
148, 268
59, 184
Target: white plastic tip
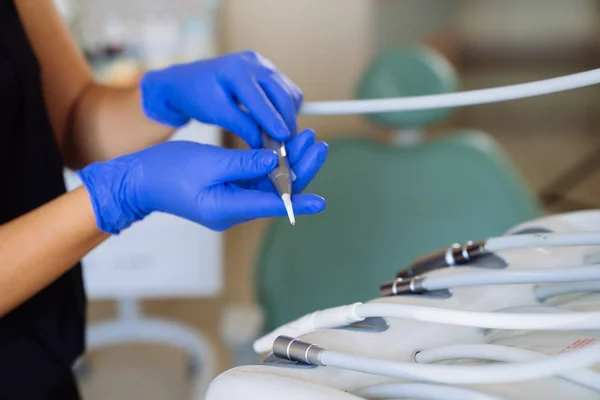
287, 202
263, 345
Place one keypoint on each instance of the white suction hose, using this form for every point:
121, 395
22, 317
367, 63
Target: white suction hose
544, 293
524, 276
466, 98
459, 374
493, 352
342, 316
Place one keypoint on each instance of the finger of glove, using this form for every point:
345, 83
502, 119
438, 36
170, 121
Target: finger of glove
297, 94
308, 167
251, 95
298, 146
239, 165
260, 60
269, 66
282, 98
222, 226
262, 184
235, 120
242, 204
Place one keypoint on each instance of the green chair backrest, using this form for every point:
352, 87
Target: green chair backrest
386, 206
411, 71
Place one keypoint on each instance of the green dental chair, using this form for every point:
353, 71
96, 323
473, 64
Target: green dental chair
388, 204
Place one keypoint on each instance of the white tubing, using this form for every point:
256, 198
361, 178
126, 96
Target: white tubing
342, 316
458, 374
329, 318
544, 293
490, 320
421, 391
542, 240
466, 98
584, 377
576, 274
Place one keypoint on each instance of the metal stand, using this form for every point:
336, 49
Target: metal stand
131, 326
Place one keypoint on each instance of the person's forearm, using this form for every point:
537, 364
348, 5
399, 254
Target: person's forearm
108, 122
38, 247
91, 122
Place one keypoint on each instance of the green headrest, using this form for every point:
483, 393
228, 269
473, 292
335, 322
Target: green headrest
414, 71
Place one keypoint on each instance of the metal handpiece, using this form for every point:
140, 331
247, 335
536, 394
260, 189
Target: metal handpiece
452, 256
281, 177
296, 350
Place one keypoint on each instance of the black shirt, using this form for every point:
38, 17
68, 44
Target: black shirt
40, 340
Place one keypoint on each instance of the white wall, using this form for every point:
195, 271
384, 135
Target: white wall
524, 22
321, 45
400, 22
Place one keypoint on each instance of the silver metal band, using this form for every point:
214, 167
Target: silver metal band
296, 350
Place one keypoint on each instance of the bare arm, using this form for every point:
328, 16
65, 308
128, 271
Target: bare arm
91, 122
40, 246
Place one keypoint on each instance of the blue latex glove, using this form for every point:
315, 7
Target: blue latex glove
212, 91
213, 186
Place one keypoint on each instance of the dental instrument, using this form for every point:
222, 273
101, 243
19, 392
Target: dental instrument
281, 177
421, 391
466, 98
419, 285
458, 254
493, 352
299, 351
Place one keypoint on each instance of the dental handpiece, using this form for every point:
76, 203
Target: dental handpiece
281, 177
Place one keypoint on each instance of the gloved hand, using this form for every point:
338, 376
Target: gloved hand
211, 91
213, 186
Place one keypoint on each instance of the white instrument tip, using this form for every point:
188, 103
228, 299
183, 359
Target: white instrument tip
287, 202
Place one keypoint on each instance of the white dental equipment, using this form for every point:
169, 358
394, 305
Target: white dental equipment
487, 332
458, 254
425, 391
544, 293
432, 284
500, 353
343, 316
295, 350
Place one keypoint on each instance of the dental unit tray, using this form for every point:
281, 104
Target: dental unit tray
520, 319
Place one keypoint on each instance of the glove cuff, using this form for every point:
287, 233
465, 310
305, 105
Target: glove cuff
112, 199
155, 101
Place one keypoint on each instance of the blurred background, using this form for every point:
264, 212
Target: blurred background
331, 49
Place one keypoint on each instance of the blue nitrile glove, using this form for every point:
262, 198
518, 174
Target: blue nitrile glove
212, 90
213, 186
